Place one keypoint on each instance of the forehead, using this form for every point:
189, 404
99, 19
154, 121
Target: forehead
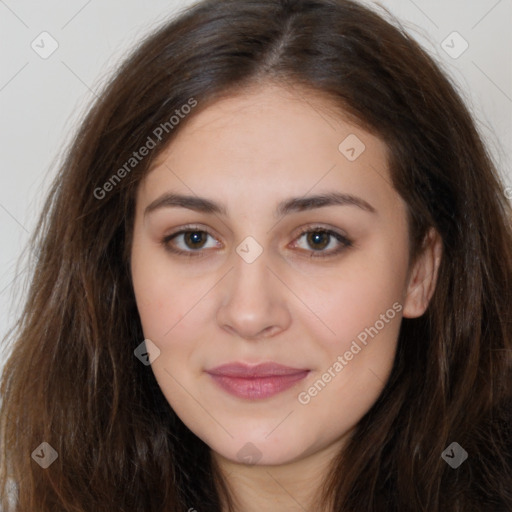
271, 114
269, 139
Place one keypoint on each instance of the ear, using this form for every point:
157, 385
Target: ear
423, 276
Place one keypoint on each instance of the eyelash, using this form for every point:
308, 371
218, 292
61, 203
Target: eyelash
346, 243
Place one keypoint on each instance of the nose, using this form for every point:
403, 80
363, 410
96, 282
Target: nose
253, 300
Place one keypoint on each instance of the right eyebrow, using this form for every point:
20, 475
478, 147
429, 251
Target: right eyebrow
199, 204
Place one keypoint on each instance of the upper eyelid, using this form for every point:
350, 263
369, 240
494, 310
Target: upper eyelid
301, 231
186, 229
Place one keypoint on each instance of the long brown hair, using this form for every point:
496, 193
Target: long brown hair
72, 379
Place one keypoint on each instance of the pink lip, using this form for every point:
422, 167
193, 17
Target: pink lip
256, 381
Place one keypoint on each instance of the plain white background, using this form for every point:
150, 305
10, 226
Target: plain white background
43, 99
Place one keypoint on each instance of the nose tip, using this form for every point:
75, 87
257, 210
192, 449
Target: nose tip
253, 304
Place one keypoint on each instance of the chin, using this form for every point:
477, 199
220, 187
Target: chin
251, 448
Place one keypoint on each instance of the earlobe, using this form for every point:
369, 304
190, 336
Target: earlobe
423, 277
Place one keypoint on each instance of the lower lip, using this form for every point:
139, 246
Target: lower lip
258, 387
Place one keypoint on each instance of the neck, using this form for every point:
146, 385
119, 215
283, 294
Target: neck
291, 487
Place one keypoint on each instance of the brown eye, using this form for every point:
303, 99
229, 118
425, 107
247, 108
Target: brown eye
189, 242
195, 239
317, 239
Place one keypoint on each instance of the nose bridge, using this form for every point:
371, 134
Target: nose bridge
250, 280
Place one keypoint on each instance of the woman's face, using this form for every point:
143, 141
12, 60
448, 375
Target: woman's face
269, 232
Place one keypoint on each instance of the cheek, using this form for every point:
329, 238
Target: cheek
170, 310
356, 358
354, 297
175, 313
151, 305
161, 295
355, 330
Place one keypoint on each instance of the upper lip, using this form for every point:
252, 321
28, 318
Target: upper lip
244, 370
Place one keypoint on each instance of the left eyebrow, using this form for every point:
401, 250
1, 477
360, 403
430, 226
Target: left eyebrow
294, 204
298, 204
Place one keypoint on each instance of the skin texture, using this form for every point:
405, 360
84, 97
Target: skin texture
249, 152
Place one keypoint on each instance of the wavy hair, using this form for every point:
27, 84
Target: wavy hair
71, 378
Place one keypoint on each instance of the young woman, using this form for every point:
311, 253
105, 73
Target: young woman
274, 273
